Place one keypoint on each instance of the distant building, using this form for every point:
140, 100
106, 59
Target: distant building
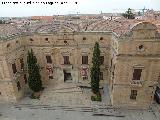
43, 18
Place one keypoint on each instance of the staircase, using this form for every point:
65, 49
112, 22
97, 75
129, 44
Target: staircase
66, 94
52, 108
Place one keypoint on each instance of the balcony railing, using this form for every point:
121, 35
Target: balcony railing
137, 83
67, 66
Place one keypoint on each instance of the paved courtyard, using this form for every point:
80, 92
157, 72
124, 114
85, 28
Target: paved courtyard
45, 112
65, 94
70, 102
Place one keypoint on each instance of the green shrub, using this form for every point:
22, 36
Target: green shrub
93, 98
34, 97
96, 98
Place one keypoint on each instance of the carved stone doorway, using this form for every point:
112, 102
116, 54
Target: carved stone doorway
67, 76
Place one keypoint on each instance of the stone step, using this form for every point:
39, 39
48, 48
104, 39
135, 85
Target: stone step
47, 107
65, 90
108, 112
58, 95
52, 106
68, 91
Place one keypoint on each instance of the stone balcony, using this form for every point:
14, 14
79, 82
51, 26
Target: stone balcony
136, 83
84, 65
67, 66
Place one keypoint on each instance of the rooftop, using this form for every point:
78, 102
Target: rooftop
46, 24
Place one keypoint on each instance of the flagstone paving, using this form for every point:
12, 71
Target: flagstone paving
71, 102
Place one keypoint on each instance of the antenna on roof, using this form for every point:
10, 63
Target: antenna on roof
143, 10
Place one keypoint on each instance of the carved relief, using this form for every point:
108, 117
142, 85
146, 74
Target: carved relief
144, 30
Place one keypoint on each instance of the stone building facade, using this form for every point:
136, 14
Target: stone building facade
130, 62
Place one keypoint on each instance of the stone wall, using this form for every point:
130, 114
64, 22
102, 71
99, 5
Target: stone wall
136, 52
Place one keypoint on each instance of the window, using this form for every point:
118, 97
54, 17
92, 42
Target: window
66, 59
14, 69
65, 41
50, 77
46, 39
113, 71
67, 76
49, 59
101, 38
137, 74
84, 38
25, 78
101, 60
84, 59
133, 94
31, 39
8, 45
85, 77
101, 75
111, 62
18, 86
140, 47
22, 63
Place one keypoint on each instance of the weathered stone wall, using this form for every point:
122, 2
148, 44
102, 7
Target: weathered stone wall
74, 48
12, 51
138, 51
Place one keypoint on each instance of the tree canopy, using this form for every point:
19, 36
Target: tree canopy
34, 78
128, 14
95, 69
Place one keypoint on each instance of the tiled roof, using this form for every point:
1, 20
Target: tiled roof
120, 26
8, 31
47, 18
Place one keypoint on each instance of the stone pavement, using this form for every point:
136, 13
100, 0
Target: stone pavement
65, 94
156, 110
70, 102
105, 95
48, 112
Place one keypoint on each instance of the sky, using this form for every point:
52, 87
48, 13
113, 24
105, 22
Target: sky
82, 7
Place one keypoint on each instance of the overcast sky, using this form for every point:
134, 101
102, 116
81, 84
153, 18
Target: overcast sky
82, 7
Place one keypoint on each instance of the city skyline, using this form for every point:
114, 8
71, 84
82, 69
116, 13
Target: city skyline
82, 7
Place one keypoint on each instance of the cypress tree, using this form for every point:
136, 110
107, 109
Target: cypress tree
95, 69
34, 78
128, 14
